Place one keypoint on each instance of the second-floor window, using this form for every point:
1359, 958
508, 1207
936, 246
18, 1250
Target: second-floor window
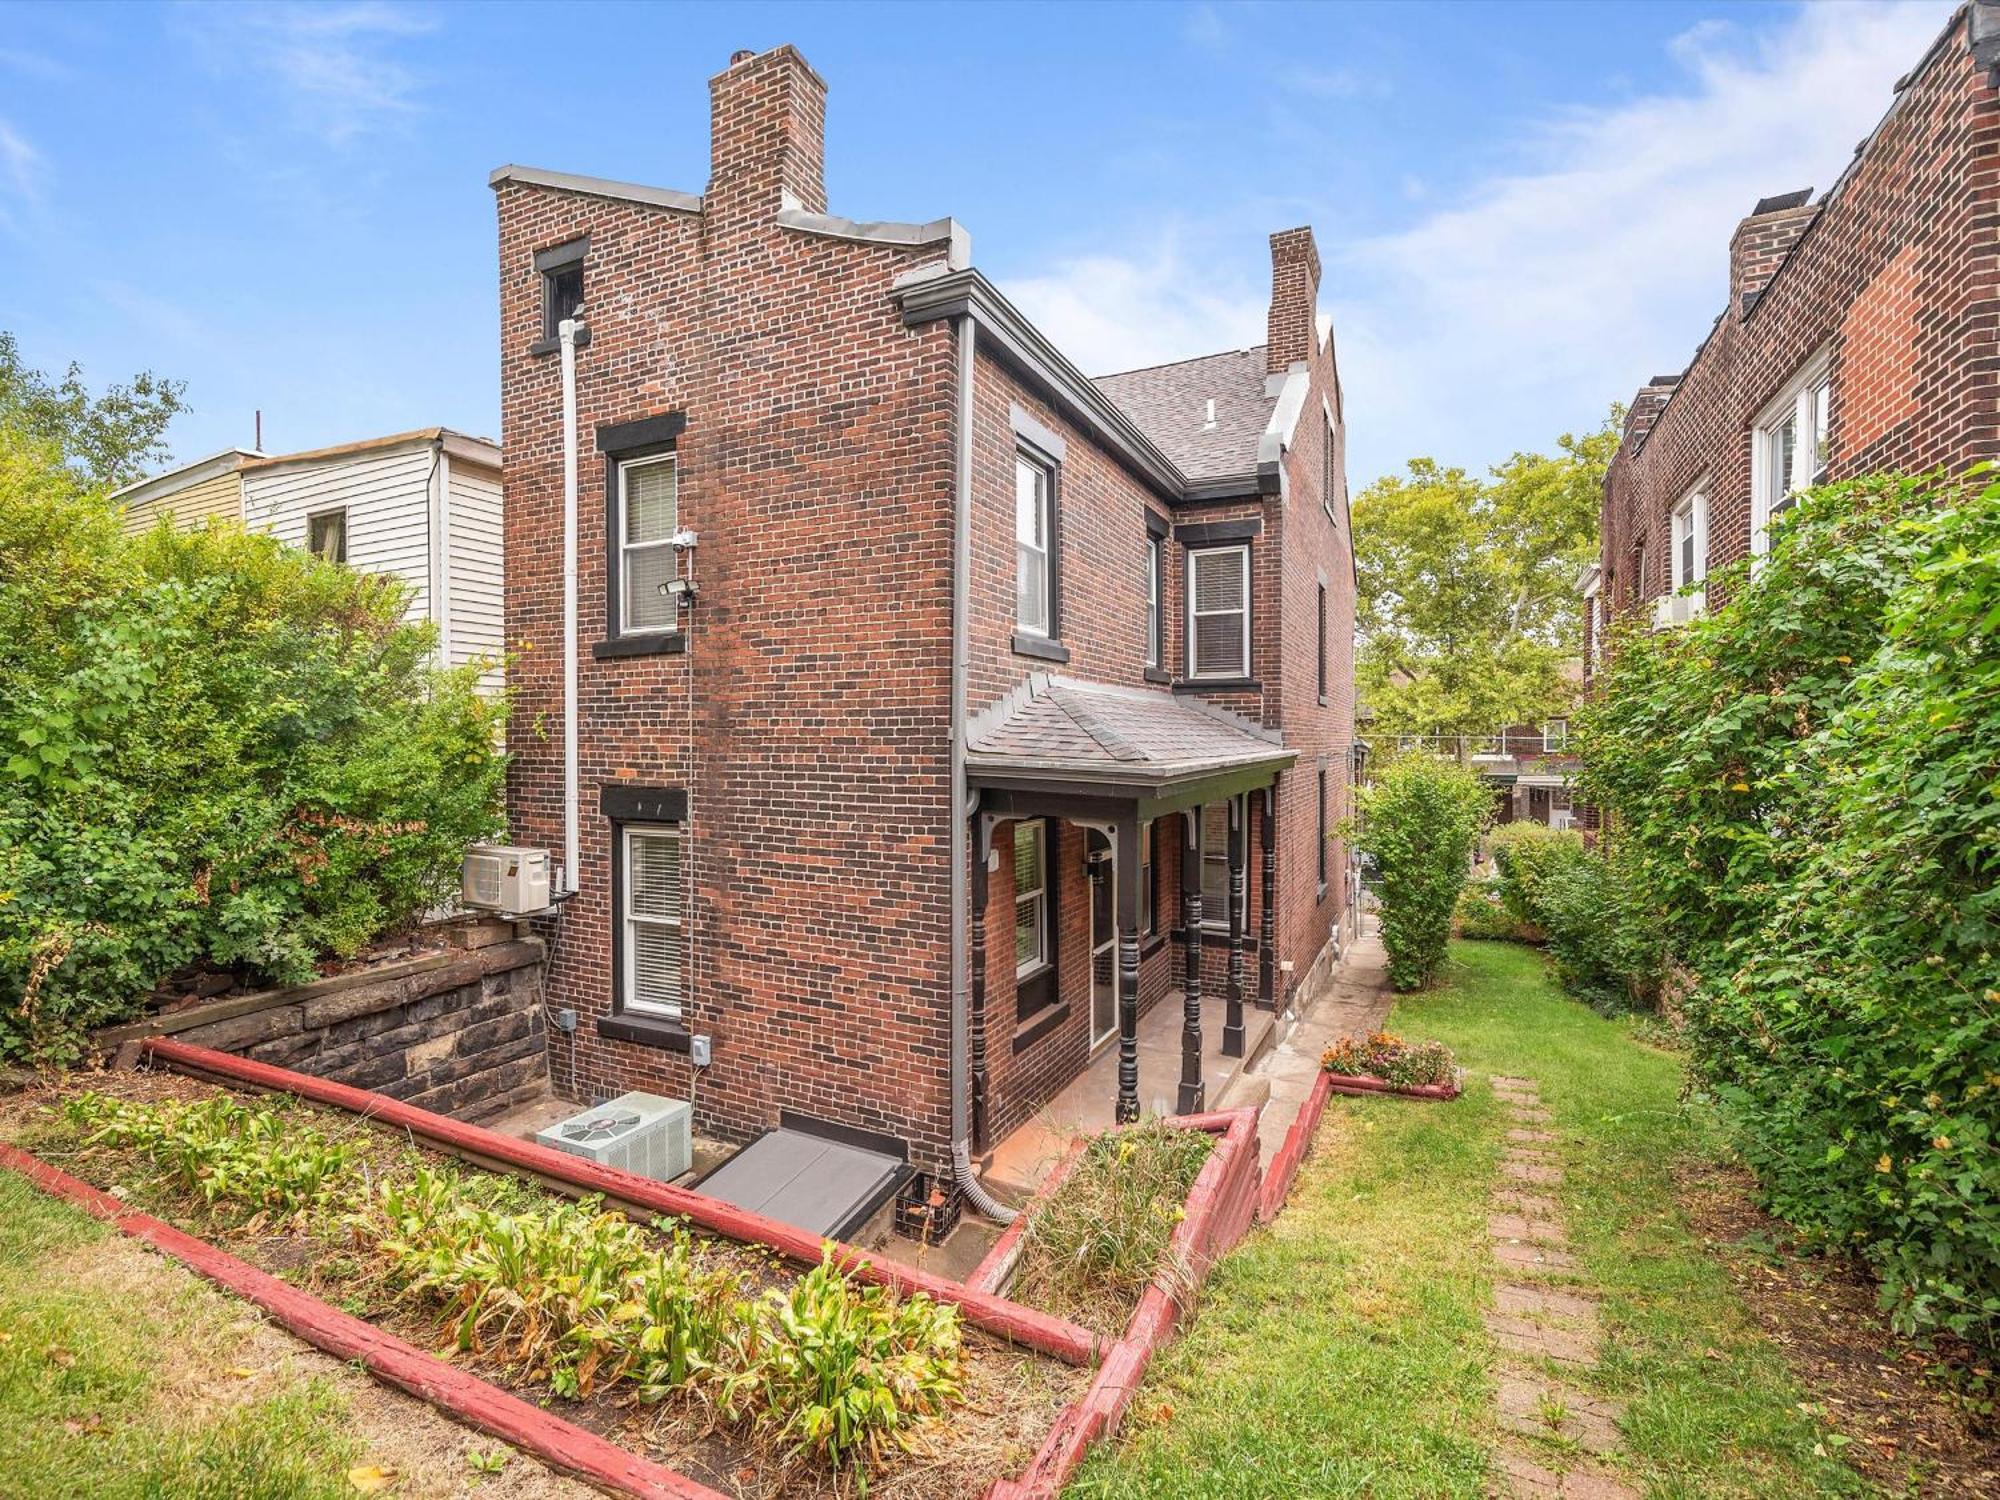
1790, 450
1322, 643
1328, 467
1219, 612
1034, 489
648, 506
1690, 541
1156, 601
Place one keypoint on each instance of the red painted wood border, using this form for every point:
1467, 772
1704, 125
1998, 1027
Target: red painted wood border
1354, 1083
1219, 1208
452, 1391
1026, 1326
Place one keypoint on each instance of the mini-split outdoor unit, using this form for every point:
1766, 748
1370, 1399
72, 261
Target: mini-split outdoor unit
640, 1133
499, 877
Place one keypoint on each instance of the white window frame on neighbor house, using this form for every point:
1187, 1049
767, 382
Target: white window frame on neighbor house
627, 548
1031, 554
1805, 406
1195, 613
1555, 735
1690, 538
1034, 899
632, 920
326, 534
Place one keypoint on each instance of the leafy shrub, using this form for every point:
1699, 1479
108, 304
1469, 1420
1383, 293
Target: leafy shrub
1420, 820
1522, 854
1481, 915
1599, 927
213, 750
1388, 1057
1805, 777
1099, 1239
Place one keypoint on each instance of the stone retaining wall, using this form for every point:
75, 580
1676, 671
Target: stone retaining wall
460, 1031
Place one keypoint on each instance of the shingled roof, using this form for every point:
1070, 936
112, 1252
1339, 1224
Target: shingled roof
1059, 726
1169, 403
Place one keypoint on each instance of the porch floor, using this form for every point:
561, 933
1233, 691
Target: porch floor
1016, 1166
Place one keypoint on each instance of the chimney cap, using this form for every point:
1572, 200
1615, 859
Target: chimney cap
741, 55
1779, 202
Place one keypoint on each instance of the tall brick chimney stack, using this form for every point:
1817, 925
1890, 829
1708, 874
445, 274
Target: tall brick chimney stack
1762, 242
767, 136
1292, 328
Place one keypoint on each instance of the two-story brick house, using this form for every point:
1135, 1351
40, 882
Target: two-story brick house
1862, 334
937, 709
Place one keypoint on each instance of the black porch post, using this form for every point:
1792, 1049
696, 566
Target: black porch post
1193, 1096
978, 1018
1126, 842
1267, 939
1232, 1026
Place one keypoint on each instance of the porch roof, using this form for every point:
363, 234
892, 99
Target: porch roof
1091, 737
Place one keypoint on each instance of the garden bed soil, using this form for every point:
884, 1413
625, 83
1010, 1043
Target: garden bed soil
1011, 1395
1907, 1413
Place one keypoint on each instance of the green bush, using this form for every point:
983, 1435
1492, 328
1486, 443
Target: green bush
1483, 917
213, 750
1522, 856
1421, 818
1600, 931
1806, 780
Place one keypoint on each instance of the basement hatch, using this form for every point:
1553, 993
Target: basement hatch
824, 1179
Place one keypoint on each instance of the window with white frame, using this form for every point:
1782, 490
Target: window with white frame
1555, 734
1219, 612
1790, 450
648, 515
1215, 865
1596, 630
1690, 539
1156, 600
1034, 487
652, 895
1031, 898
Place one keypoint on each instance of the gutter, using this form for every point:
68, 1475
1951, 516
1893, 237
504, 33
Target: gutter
960, 814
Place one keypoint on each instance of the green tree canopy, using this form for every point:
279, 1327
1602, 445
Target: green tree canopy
1467, 606
111, 439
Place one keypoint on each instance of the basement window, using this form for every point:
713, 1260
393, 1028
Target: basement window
326, 535
651, 906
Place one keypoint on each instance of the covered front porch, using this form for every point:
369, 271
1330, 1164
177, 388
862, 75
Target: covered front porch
1123, 952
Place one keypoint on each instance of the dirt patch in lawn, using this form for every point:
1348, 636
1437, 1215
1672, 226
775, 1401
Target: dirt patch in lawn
1012, 1396
1905, 1427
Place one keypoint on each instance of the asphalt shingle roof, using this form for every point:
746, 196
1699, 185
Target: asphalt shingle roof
1169, 403
1060, 722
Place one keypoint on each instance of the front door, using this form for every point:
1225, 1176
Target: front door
1103, 941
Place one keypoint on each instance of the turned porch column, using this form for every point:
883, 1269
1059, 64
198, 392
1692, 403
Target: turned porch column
1267, 938
1232, 1025
1193, 1095
980, 858
1126, 842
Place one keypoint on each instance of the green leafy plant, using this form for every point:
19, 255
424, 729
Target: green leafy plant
1420, 819
1482, 916
214, 750
1804, 779
1103, 1235
1600, 926
1388, 1057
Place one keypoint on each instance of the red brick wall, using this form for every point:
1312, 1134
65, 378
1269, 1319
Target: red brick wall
1899, 275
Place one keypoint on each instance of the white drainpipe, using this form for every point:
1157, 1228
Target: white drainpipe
975, 1192
566, 334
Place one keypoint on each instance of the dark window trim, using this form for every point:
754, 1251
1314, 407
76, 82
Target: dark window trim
1219, 685
650, 806
556, 258
1039, 1024
1042, 990
1027, 643
1051, 465
1213, 533
1322, 643
620, 442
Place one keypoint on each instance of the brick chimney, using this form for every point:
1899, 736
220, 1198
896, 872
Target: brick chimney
767, 136
1761, 243
1646, 408
1292, 330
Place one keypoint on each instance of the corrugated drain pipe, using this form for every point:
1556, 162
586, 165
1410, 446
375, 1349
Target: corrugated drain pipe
983, 1202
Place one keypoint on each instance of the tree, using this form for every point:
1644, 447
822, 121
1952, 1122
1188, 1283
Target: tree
1467, 606
111, 439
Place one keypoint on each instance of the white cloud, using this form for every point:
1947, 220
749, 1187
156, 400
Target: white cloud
22, 174
1523, 306
331, 67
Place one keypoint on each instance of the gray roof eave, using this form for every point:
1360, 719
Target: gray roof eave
597, 187
1153, 777
1024, 347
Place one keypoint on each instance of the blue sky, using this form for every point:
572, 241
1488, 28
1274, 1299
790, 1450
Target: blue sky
1523, 210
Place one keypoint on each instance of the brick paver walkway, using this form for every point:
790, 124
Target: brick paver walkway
1544, 1321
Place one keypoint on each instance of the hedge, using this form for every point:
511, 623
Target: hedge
1421, 818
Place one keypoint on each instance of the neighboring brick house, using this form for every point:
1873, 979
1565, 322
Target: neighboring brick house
797, 431
1862, 334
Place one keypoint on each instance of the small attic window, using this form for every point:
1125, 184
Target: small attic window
561, 270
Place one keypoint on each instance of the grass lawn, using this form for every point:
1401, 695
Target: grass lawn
1341, 1351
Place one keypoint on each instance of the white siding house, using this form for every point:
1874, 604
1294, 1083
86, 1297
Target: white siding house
422, 505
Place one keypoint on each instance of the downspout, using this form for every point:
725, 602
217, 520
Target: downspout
566, 334
975, 1192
